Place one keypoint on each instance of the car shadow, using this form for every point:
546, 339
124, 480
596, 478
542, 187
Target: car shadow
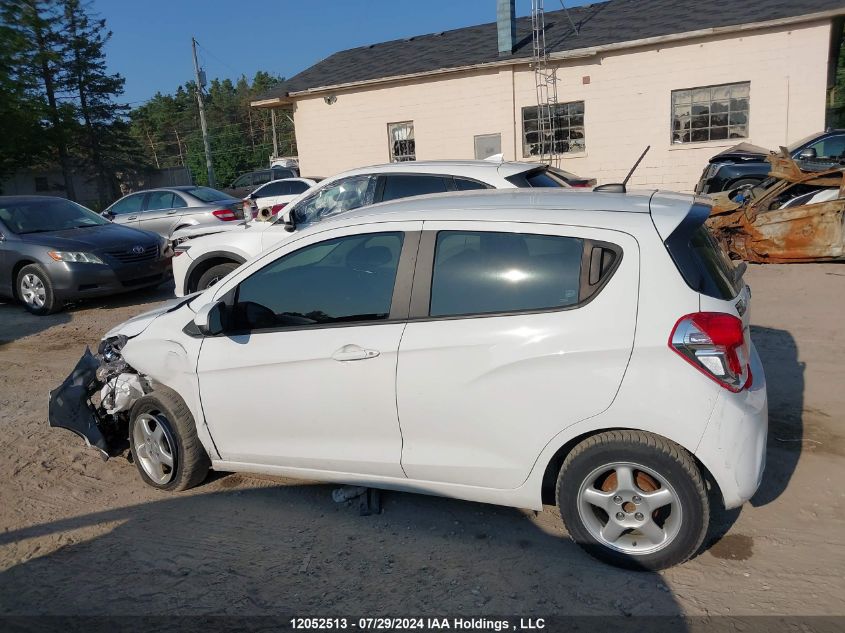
785, 385
17, 323
141, 297
288, 549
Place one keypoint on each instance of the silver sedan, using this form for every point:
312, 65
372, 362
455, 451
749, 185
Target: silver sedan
165, 210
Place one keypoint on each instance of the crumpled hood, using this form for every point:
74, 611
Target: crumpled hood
139, 323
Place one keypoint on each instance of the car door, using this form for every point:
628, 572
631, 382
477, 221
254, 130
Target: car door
127, 210
305, 375
162, 212
516, 332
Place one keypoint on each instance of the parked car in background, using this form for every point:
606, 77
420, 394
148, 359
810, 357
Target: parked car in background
203, 260
745, 164
590, 350
53, 250
271, 198
246, 183
795, 215
169, 209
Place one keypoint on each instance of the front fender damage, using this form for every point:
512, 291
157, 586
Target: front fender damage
95, 399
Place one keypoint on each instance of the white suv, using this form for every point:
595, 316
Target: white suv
519, 348
205, 259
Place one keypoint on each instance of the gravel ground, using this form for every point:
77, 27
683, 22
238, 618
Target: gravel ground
83, 536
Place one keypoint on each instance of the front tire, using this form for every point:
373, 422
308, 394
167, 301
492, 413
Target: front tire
164, 443
215, 274
35, 290
634, 500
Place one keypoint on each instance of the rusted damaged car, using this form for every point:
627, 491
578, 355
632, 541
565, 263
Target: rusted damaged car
792, 216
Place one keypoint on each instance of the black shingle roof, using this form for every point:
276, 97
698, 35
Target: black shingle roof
598, 24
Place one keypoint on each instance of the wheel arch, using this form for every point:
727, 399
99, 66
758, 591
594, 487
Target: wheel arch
552, 470
16, 269
206, 261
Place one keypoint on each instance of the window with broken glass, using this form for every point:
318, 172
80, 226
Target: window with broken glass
566, 126
714, 113
403, 147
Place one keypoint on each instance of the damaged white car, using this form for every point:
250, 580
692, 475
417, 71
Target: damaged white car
515, 347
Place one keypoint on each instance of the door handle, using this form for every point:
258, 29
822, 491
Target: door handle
132, 217
353, 352
171, 212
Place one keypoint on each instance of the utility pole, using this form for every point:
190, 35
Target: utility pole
275, 142
205, 141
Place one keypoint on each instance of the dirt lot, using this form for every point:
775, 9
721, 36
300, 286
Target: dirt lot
83, 536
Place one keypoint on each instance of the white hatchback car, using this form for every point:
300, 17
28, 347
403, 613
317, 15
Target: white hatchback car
519, 348
205, 259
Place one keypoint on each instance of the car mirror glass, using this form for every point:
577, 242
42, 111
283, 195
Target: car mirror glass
807, 154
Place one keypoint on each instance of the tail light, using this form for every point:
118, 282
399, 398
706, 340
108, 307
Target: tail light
277, 207
714, 343
227, 215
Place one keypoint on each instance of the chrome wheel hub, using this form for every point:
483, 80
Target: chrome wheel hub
32, 291
153, 447
629, 508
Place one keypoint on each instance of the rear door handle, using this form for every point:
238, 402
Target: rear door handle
132, 217
354, 352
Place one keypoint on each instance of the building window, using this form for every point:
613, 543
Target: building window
41, 183
713, 113
487, 145
567, 123
403, 147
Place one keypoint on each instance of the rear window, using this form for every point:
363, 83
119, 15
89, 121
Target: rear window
207, 194
701, 259
538, 178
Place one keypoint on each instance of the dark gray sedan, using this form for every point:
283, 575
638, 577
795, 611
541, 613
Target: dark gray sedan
53, 250
166, 210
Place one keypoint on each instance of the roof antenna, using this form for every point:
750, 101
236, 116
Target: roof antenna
620, 187
577, 29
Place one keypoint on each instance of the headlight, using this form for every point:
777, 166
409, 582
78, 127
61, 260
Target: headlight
75, 256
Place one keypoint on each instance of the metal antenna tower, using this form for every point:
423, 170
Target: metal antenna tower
545, 79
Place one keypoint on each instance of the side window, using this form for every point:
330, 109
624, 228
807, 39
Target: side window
407, 185
130, 204
484, 272
242, 181
338, 197
179, 202
832, 147
297, 187
159, 200
464, 184
344, 280
260, 178
272, 189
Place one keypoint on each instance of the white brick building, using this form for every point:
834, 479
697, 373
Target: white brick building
688, 77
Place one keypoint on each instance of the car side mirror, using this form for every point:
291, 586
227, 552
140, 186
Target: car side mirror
289, 220
807, 154
210, 318
108, 215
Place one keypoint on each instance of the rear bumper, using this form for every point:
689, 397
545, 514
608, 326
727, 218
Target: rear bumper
733, 447
76, 281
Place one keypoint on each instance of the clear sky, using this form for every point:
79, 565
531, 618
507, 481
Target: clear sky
151, 45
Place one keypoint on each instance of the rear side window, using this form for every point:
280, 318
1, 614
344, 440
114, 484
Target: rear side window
701, 259
407, 185
486, 272
158, 200
273, 189
297, 187
464, 184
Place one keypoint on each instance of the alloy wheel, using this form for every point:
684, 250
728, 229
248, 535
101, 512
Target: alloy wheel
154, 447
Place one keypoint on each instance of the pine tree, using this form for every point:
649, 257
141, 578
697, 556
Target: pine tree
104, 145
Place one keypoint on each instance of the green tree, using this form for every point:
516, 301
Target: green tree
103, 145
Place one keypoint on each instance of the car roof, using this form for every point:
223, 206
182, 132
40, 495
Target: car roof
447, 167
30, 198
520, 205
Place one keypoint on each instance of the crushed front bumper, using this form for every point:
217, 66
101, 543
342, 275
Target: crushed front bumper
70, 404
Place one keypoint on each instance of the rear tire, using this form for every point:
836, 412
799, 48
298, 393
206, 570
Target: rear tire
215, 274
634, 500
743, 183
35, 290
164, 443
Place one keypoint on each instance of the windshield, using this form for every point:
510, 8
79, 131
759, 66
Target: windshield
41, 216
207, 194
